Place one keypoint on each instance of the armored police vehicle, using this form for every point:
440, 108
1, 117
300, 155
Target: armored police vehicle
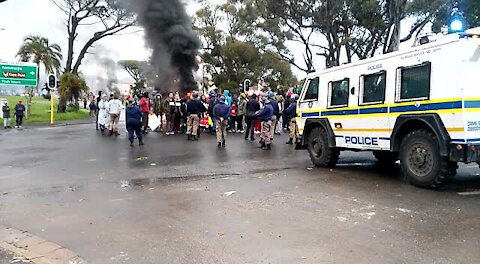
420, 106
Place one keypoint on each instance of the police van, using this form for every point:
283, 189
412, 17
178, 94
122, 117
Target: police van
420, 106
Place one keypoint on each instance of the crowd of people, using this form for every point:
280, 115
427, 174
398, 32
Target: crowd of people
267, 114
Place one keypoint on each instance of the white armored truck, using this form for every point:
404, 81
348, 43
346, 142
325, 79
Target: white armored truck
420, 106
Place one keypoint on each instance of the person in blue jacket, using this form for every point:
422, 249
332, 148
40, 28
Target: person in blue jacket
291, 114
265, 116
211, 104
133, 118
221, 112
228, 98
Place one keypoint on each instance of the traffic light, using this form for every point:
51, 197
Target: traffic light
246, 85
52, 81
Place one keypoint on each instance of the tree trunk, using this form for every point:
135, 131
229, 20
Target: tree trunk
62, 105
72, 34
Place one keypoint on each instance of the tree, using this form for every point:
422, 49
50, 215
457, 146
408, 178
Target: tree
39, 50
71, 89
135, 70
110, 16
133, 67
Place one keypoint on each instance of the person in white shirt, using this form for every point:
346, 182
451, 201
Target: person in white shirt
115, 108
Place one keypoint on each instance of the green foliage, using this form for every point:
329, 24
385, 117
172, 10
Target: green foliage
38, 49
71, 88
231, 60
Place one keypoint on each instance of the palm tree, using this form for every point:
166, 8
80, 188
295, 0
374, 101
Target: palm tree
39, 50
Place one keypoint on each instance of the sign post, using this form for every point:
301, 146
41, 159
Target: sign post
52, 85
22, 74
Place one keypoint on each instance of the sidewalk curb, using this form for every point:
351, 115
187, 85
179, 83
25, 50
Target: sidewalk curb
36, 249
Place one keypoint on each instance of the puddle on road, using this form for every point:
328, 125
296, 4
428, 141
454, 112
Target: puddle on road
147, 182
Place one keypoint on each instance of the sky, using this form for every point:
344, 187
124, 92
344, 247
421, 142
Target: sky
19, 18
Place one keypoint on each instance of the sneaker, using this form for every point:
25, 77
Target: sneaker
141, 143
131, 144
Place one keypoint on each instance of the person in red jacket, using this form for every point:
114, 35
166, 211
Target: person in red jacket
233, 118
145, 109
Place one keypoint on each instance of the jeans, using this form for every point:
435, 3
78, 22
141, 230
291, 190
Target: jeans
250, 127
240, 122
19, 119
137, 129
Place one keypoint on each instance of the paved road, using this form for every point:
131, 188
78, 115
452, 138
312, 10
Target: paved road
5, 257
166, 203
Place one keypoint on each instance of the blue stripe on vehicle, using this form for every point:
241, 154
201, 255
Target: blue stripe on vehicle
472, 104
397, 109
315, 114
340, 112
382, 138
470, 140
426, 107
380, 110
339, 136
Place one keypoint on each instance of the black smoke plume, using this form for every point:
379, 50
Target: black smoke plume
168, 31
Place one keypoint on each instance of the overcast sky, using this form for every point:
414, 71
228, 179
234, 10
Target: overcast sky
19, 18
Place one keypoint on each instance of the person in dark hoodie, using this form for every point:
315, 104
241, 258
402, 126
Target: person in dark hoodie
265, 116
195, 108
221, 112
211, 104
251, 108
291, 114
133, 117
19, 114
276, 113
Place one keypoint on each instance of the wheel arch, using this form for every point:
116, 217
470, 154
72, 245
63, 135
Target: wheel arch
408, 123
319, 122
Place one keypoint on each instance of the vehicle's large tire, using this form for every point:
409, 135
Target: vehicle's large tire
386, 158
421, 162
320, 153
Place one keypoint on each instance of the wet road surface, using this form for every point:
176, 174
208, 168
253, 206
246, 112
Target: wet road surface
174, 201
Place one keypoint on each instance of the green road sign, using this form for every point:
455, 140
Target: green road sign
18, 74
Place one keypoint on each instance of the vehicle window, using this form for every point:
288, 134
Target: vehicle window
414, 82
373, 88
312, 91
339, 93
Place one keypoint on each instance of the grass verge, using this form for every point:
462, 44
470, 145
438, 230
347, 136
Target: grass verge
40, 110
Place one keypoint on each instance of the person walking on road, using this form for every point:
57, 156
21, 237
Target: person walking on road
194, 109
251, 108
133, 118
145, 109
211, 104
242, 103
19, 114
115, 108
265, 116
103, 114
170, 114
291, 114
159, 110
99, 98
221, 112
276, 113
6, 116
